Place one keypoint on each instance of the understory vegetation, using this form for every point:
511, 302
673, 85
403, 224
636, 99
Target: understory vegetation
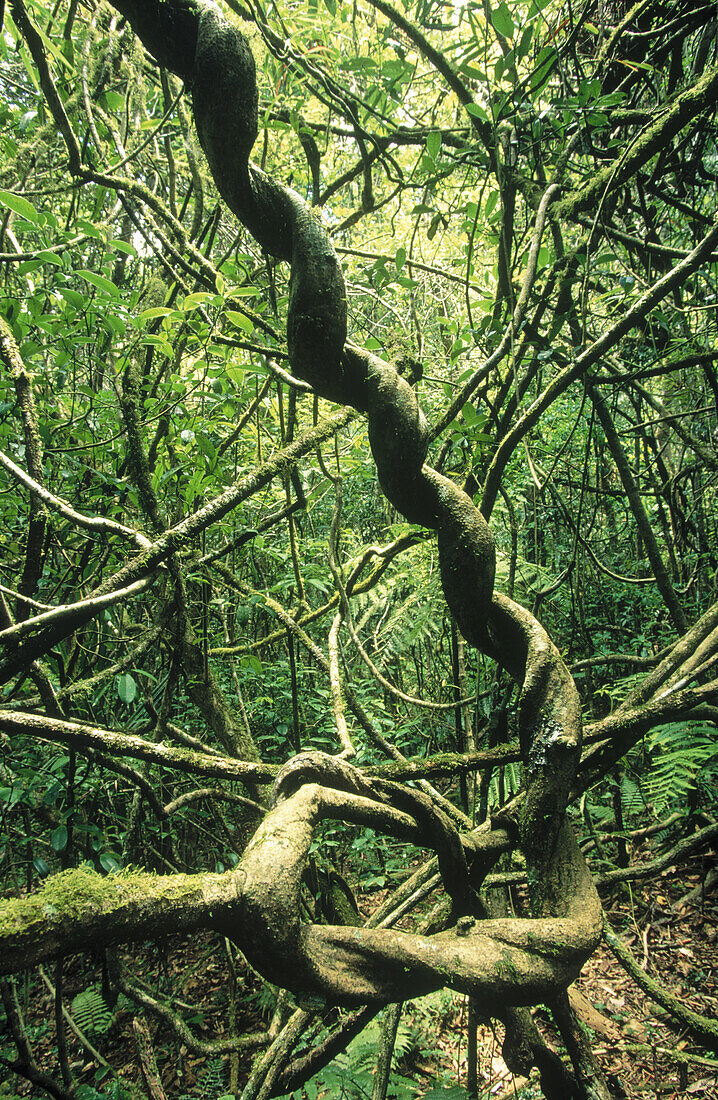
359, 529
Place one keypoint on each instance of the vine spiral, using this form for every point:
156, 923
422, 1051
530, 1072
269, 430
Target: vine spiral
509, 961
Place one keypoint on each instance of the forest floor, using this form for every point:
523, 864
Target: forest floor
641, 1050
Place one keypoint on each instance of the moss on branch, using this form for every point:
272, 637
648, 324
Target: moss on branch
686, 108
78, 908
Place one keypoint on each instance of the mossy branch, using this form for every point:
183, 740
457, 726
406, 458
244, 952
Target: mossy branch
685, 109
702, 1029
79, 907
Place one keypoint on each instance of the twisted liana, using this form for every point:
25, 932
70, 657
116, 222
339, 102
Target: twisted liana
511, 961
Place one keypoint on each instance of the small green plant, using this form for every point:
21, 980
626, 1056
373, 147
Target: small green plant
684, 765
211, 1083
90, 1012
351, 1075
113, 1091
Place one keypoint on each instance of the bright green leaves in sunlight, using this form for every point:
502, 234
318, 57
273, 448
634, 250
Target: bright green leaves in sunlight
433, 144
100, 282
501, 20
21, 206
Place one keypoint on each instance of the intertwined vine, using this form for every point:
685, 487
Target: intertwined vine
510, 961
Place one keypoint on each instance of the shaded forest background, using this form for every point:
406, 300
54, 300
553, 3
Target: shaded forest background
523, 200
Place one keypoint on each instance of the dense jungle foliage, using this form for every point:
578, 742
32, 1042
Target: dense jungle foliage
202, 577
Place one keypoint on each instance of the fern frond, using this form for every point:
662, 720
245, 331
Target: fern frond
683, 758
90, 1012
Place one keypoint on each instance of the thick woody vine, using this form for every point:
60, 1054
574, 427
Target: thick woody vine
502, 962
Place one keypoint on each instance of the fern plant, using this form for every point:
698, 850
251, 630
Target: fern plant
90, 1012
447, 1092
683, 766
351, 1075
509, 783
114, 1090
362, 1052
210, 1083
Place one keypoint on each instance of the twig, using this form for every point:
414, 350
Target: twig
267, 1070
176, 1024
389, 1027
89, 607
90, 523
62, 1057
25, 1064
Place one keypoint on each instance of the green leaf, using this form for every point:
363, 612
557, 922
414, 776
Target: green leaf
491, 201
400, 258
191, 301
502, 21
354, 64
114, 323
522, 50
235, 374
153, 313
100, 282
244, 292
159, 342
433, 144
246, 324
114, 100
28, 267
77, 301
543, 65
476, 111
50, 258
123, 246
53, 50
89, 228
20, 206
58, 840
127, 688
436, 221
